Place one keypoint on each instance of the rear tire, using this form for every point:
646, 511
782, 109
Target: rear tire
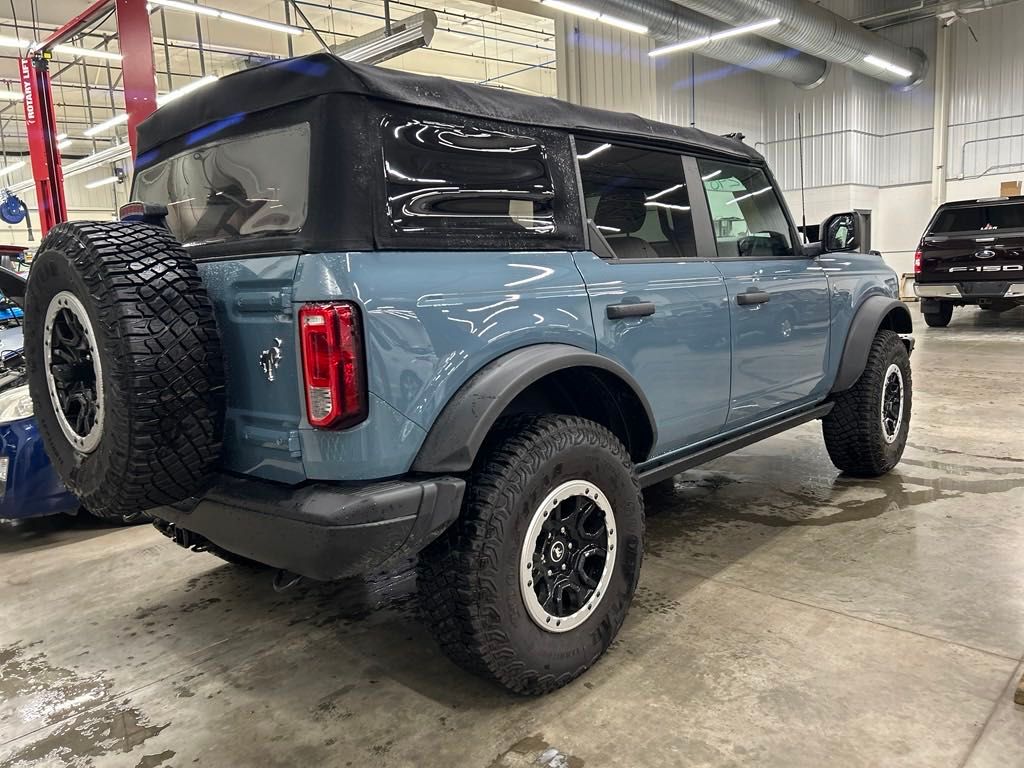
498, 587
937, 314
866, 431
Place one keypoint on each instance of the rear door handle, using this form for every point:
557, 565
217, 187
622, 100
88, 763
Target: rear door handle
638, 309
751, 296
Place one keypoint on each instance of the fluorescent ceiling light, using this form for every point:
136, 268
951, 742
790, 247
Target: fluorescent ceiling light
195, 85
587, 13
60, 136
888, 66
86, 53
217, 13
161, 100
699, 41
64, 144
12, 168
711, 175
106, 125
12, 95
591, 153
14, 42
102, 182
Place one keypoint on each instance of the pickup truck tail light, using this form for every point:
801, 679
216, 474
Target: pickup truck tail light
917, 263
333, 364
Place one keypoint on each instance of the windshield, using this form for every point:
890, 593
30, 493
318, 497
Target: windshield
250, 186
979, 218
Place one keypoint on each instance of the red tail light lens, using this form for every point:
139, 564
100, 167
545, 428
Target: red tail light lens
333, 364
917, 263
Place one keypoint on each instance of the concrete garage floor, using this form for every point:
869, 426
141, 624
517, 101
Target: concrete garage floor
786, 617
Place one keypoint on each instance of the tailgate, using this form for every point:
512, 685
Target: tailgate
981, 256
252, 300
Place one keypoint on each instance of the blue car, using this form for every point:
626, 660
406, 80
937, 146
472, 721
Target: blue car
29, 486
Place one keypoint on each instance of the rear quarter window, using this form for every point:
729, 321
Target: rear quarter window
250, 186
458, 185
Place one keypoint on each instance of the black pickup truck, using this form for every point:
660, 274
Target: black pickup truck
972, 253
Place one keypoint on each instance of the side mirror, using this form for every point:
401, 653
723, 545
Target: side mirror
840, 233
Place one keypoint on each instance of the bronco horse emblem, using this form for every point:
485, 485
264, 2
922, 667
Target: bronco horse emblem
270, 359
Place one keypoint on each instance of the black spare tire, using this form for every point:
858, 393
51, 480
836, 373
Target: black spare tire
125, 365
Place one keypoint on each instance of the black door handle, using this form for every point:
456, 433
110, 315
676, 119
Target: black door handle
639, 309
750, 296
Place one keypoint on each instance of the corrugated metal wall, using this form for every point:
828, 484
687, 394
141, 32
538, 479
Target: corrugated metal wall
987, 110
856, 129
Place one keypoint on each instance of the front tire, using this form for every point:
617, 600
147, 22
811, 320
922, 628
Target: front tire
532, 583
866, 431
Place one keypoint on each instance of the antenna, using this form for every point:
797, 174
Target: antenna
803, 187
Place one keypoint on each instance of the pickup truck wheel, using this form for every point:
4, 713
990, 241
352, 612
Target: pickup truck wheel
937, 314
533, 582
866, 431
124, 366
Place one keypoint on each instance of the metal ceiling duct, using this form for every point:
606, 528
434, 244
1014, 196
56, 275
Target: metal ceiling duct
671, 23
818, 31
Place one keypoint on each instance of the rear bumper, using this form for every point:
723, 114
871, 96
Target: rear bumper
322, 531
969, 291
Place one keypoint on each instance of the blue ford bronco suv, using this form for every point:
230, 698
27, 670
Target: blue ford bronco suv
359, 315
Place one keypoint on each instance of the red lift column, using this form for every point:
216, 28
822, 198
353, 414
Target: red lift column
138, 70
42, 143
139, 75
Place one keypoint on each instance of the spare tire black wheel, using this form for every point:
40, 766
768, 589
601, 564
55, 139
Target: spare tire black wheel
125, 366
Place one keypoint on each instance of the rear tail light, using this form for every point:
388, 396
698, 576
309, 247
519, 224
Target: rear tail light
333, 364
917, 263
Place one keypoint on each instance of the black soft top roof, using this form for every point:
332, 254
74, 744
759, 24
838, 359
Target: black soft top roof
291, 80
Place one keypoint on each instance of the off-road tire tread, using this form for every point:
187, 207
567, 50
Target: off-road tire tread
458, 573
852, 429
166, 417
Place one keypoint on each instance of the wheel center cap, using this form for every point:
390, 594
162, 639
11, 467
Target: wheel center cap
557, 552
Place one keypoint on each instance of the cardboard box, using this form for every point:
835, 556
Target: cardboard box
1009, 189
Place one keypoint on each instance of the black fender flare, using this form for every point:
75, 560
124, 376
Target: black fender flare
874, 313
458, 432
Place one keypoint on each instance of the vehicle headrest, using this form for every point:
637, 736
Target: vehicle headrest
622, 209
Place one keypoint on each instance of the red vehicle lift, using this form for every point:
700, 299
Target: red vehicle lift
139, 76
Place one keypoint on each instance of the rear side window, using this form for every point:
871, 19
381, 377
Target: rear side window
250, 186
979, 218
451, 181
748, 218
637, 199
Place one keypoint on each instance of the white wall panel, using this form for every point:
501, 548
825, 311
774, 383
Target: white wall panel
605, 67
987, 108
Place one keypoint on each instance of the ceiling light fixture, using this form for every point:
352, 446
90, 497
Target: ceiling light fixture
699, 41
102, 182
888, 66
12, 168
86, 53
106, 125
604, 18
12, 96
217, 13
62, 145
161, 100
